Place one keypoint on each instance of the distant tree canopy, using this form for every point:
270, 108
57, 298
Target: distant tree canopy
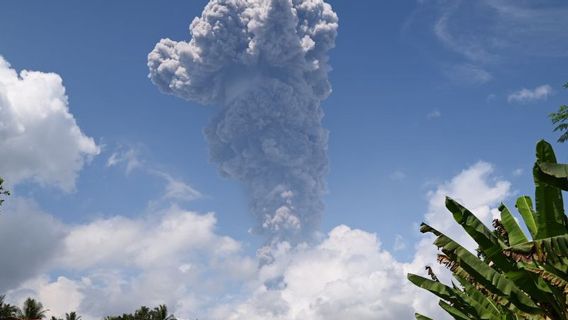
69, 316
34, 310
7, 311
3, 192
145, 313
31, 310
560, 119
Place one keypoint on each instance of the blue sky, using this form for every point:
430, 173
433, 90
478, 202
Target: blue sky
421, 91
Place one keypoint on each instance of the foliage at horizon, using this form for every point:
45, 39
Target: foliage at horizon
560, 119
31, 310
7, 311
145, 313
69, 316
514, 275
3, 192
34, 310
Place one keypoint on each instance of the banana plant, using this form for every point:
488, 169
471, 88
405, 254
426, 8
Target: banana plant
513, 275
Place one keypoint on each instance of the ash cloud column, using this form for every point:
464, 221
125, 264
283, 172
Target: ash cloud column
264, 64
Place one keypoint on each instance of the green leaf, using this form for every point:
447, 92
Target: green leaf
455, 313
550, 218
559, 116
474, 227
524, 205
441, 290
421, 317
437, 288
516, 234
553, 278
554, 174
492, 280
488, 243
484, 307
552, 250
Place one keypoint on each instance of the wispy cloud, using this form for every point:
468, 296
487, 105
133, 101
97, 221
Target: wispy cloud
397, 175
485, 30
486, 34
528, 95
177, 189
174, 189
470, 46
468, 74
129, 157
399, 243
434, 114
518, 172
491, 97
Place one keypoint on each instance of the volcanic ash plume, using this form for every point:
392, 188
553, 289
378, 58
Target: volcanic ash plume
265, 63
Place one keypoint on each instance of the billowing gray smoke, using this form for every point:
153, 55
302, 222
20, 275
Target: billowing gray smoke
265, 63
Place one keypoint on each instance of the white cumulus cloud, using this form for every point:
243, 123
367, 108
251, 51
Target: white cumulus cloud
528, 95
30, 239
39, 137
114, 265
347, 276
174, 256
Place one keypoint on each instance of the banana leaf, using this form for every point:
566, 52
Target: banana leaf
492, 280
550, 218
514, 231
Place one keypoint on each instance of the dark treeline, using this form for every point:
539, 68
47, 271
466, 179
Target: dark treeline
34, 310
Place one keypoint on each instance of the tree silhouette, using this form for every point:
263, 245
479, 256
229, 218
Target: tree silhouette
31, 310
